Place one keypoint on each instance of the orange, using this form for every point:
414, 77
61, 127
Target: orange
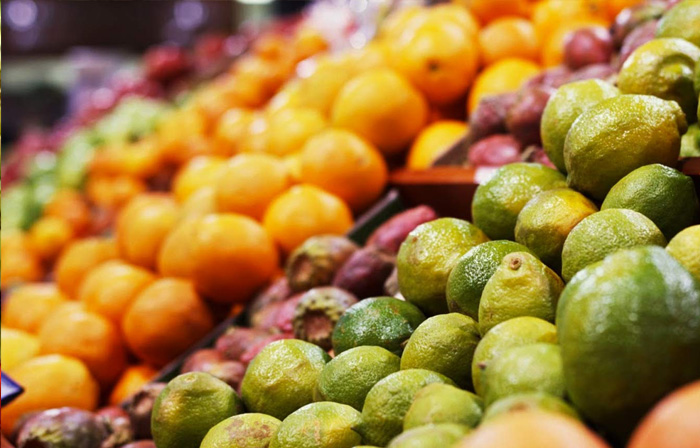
506, 75
304, 211
489, 10
232, 257
165, 320
433, 141
673, 423
288, 96
28, 306
318, 89
307, 42
200, 203
131, 381
383, 107
257, 79
50, 382
88, 337
548, 15
175, 256
616, 6
216, 97
458, 14
79, 258
532, 429
232, 126
553, 49
17, 347
111, 287
270, 46
199, 172
48, 236
344, 164
398, 21
140, 159
142, 226
509, 37
72, 207
290, 128
112, 192
249, 182
178, 128
19, 263
439, 57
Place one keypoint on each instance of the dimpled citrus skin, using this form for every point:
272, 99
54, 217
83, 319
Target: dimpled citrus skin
623, 322
681, 21
245, 430
319, 425
428, 436
442, 403
539, 401
683, 247
618, 135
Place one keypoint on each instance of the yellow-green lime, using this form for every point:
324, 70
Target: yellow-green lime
629, 331
545, 222
690, 142
428, 255
498, 201
511, 333
242, 431
563, 108
531, 401
603, 233
682, 21
431, 436
521, 286
348, 377
618, 135
282, 377
663, 68
319, 425
445, 344
388, 401
188, 407
442, 403
473, 269
685, 247
662, 194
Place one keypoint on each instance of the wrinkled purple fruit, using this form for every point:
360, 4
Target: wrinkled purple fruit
317, 313
497, 150
632, 17
365, 272
389, 236
236, 340
524, 117
316, 261
140, 406
587, 46
62, 428
277, 291
638, 37
118, 425
489, 117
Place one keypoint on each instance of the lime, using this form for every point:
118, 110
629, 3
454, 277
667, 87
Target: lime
431, 436
603, 233
428, 255
629, 331
348, 377
684, 248
662, 194
497, 202
473, 269
538, 401
242, 431
445, 344
282, 377
682, 21
442, 403
319, 425
690, 142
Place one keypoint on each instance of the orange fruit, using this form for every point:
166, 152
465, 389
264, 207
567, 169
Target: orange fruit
304, 211
28, 306
344, 164
232, 126
319, 88
72, 207
290, 128
199, 172
216, 97
111, 287
17, 347
383, 107
509, 37
673, 423
548, 15
48, 236
439, 57
458, 14
506, 75
78, 259
288, 96
175, 256
165, 320
232, 257
131, 381
256, 79
178, 128
19, 263
489, 10
141, 159
142, 226
533, 429
398, 21
553, 49
112, 192
614, 7
433, 141
249, 182
307, 42
270, 46
88, 337
50, 382
200, 203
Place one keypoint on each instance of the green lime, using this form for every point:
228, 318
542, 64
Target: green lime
497, 202
545, 222
521, 286
618, 135
537, 401
682, 21
348, 377
629, 331
428, 255
242, 431
603, 233
690, 142
511, 333
473, 269
382, 321
282, 377
442, 403
188, 407
662, 194
445, 344
431, 436
563, 108
388, 401
684, 248
319, 425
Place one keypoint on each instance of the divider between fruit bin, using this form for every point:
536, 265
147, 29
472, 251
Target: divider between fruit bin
389, 205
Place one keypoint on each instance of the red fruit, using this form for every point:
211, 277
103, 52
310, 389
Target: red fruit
236, 340
595, 71
166, 62
118, 424
140, 406
62, 427
587, 46
389, 236
141, 444
489, 117
201, 360
638, 37
524, 116
277, 291
365, 272
553, 77
278, 316
497, 150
